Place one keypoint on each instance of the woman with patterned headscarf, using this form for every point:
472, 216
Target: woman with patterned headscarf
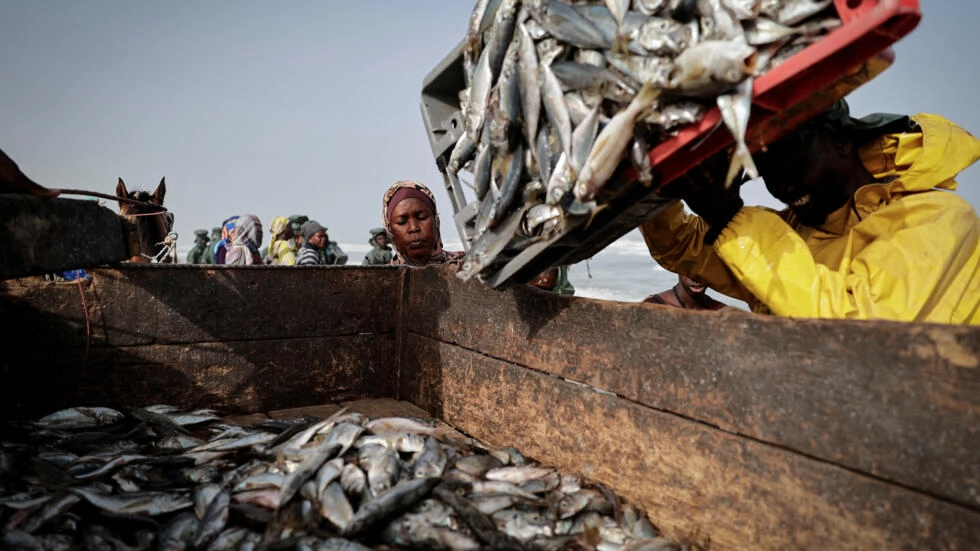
410, 217
282, 250
244, 248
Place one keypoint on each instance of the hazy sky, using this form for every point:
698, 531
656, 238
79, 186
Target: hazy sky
311, 107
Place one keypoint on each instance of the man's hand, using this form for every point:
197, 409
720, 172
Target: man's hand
703, 189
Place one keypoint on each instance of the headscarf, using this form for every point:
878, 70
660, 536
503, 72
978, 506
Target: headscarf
278, 224
282, 252
410, 189
244, 248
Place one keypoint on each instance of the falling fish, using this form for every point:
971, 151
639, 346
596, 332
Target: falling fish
611, 144
736, 108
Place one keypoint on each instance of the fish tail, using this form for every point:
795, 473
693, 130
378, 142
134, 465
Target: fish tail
741, 161
648, 93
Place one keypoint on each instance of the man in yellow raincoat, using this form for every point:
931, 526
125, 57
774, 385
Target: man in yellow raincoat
872, 229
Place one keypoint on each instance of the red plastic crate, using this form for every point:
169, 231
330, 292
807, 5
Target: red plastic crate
784, 97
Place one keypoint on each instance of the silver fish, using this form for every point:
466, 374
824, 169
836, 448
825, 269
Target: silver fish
560, 182
664, 36
335, 507
353, 480
541, 219
639, 155
717, 21
735, 110
554, 107
648, 7
513, 178
583, 137
712, 67
383, 425
142, 503
431, 461
546, 152
214, 519
763, 30
517, 475
610, 145
581, 76
791, 12
486, 248
501, 35
563, 22
391, 503
530, 91
743, 10
178, 532
478, 97
260, 481
461, 153
313, 458
79, 417
380, 463
549, 50
524, 525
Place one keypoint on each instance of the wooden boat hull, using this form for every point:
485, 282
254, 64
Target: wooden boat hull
732, 430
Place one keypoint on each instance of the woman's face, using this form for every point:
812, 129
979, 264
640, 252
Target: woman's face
318, 239
413, 228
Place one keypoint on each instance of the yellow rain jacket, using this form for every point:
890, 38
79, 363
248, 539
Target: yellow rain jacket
906, 249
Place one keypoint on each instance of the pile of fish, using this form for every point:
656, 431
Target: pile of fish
559, 93
163, 479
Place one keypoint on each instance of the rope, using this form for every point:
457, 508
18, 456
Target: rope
88, 341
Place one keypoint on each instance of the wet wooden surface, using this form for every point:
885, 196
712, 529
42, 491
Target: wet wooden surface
239, 339
41, 235
897, 401
697, 483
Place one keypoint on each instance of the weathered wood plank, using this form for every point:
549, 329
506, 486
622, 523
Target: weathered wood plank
97, 235
694, 480
897, 401
161, 304
233, 377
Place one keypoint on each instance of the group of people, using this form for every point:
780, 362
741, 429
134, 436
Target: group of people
871, 230
295, 241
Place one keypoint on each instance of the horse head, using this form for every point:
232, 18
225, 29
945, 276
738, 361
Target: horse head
153, 223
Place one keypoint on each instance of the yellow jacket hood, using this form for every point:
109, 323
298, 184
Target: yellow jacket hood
907, 249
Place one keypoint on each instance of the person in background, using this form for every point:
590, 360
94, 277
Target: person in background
244, 247
409, 215
554, 279
688, 294
227, 234
380, 253
313, 252
282, 249
871, 231
212, 245
335, 255
197, 253
296, 222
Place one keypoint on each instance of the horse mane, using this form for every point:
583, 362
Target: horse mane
153, 222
